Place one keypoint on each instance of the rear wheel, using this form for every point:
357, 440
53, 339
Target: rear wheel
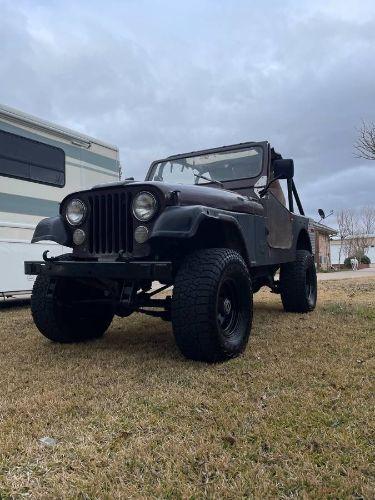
60, 316
212, 305
298, 283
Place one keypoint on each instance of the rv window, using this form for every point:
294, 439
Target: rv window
31, 160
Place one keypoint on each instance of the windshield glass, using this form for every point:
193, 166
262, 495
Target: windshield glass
220, 167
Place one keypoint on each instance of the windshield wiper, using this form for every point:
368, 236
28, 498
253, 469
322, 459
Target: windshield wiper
209, 180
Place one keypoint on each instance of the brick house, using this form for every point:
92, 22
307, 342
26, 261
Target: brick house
320, 236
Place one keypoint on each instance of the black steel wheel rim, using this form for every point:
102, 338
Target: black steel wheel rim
228, 306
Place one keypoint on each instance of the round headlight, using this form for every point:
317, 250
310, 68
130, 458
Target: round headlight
144, 206
75, 212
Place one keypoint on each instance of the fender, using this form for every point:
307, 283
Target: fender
52, 229
184, 223
303, 241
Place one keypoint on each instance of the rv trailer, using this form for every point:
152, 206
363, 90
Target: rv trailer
40, 163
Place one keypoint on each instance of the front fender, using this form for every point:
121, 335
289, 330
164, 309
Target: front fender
178, 222
183, 222
52, 229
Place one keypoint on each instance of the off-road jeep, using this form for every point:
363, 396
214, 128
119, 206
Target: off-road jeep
213, 224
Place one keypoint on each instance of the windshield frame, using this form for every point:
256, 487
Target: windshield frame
239, 182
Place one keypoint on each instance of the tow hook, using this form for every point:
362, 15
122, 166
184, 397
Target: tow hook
48, 259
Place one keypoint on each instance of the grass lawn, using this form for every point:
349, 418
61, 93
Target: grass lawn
292, 417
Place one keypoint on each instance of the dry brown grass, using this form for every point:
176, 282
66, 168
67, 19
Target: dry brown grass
293, 417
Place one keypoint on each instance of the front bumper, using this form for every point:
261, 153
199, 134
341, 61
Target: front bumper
134, 271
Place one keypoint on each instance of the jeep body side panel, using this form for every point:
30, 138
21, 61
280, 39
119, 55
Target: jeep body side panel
184, 222
279, 223
276, 256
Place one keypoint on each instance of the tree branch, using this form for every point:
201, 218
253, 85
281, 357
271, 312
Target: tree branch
365, 144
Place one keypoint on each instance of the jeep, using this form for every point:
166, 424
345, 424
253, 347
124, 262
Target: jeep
212, 224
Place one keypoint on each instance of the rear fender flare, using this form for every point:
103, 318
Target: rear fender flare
303, 241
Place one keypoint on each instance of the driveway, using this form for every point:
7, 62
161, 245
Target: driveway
342, 275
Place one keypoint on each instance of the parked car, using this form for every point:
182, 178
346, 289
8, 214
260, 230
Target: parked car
213, 223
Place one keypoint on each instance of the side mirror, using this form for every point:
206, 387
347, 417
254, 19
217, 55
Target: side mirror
283, 169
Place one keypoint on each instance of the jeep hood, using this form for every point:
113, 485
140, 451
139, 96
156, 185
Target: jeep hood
214, 197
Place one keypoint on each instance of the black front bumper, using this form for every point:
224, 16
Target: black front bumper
134, 270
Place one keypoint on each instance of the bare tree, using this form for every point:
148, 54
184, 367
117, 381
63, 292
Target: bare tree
344, 222
367, 220
354, 230
365, 144
366, 228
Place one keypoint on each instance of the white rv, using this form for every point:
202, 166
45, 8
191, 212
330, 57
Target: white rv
40, 163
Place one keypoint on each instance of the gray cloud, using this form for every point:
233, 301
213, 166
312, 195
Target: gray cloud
159, 77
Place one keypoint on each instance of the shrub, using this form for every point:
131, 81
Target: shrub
365, 260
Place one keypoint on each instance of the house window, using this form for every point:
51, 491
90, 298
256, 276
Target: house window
30, 160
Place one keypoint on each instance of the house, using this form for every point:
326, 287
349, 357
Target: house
320, 235
348, 245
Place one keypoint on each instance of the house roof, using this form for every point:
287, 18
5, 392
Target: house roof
321, 228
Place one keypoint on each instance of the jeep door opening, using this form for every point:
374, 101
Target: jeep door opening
213, 224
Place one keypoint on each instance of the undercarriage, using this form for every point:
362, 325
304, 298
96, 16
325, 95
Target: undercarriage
125, 286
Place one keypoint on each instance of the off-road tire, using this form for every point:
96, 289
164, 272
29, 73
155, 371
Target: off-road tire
197, 298
60, 320
298, 283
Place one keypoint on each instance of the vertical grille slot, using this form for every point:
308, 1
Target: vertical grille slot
110, 224
91, 225
102, 224
129, 224
98, 225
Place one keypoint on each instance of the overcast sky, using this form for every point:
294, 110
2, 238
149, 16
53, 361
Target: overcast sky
160, 77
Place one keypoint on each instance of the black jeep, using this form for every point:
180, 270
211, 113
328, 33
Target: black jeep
213, 224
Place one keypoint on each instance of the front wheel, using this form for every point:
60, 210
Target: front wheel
298, 283
212, 305
63, 312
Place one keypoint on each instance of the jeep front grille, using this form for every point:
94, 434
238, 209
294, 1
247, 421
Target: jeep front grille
111, 225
